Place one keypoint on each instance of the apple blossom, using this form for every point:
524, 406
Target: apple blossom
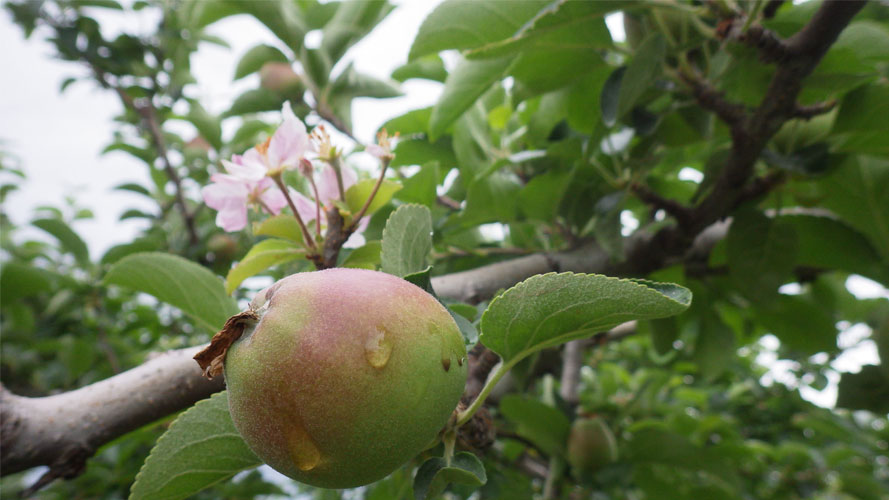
283, 151
230, 196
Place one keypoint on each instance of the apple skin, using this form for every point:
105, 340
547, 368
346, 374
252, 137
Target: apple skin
349, 374
591, 446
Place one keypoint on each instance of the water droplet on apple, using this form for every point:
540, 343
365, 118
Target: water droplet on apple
303, 451
377, 348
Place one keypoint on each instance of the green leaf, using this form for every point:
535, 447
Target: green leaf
18, 280
610, 96
494, 198
540, 198
464, 24
280, 226
654, 444
281, 18
421, 187
407, 240
256, 57
357, 195
866, 390
350, 83
255, 101
133, 187
800, 323
435, 474
573, 26
543, 425
422, 279
179, 282
351, 22
761, 253
466, 83
69, 240
263, 255
550, 309
118, 252
208, 125
625, 87
858, 192
429, 67
201, 448
859, 123
364, 257
467, 329
715, 347
828, 243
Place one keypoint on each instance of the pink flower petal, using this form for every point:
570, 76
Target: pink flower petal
289, 143
221, 194
305, 206
232, 218
375, 150
350, 177
273, 199
327, 188
248, 170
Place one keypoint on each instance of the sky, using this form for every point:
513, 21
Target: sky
57, 138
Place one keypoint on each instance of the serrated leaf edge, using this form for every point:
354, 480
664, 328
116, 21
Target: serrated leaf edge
165, 436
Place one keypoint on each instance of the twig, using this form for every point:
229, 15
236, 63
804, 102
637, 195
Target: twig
448, 202
760, 186
680, 212
733, 114
770, 46
803, 52
813, 110
302, 225
149, 116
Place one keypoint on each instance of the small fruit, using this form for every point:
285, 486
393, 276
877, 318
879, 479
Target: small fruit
279, 77
591, 446
348, 374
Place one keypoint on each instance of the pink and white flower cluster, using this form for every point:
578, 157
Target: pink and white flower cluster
249, 178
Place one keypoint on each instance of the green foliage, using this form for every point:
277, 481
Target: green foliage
263, 255
178, 282
201, 448
407, 240
436, 473
551, 309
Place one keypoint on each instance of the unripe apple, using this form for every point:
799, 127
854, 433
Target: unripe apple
348, 374
591, 446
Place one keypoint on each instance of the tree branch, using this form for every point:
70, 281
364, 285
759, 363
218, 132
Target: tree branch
803, 52
63, 430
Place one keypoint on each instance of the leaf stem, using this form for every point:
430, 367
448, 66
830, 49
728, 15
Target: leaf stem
302, 225
449, 441
502, 369
385, 161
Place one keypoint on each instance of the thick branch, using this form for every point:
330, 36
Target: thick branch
63, 430
803, 52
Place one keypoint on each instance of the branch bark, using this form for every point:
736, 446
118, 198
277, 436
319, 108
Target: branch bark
63, 430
